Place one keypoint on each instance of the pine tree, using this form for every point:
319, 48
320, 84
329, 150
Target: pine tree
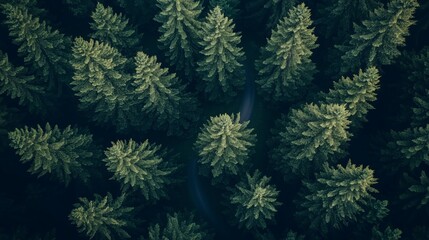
337, 197
103, 217
357, 94
229, 7
376, 41
17, 83
141, 166
312, 135
45, 49
178, 227
387, 234
165, 99
102, 85
65, 153
285, 68
417, 194
221, 66
181, 32
113, 29
255, 201
278, 10
224, 144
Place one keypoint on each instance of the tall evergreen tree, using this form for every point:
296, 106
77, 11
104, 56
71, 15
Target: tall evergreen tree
165, 99
140, 165
337, 197
103, 217
285, 68
113, 28
224, 144
312, 135
376, 41
278, 9
181, 32
65, 153
221, 66
17, 83
102, 85
255, 201
45, 49
417, 194
229, 7
357, 94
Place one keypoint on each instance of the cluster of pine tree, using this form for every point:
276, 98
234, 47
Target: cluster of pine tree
215, 119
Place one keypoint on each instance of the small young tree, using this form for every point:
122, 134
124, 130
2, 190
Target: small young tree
221, 66
224, 144
229, 7
255, 201
63, 153
141, 166
113, 28
285, 68
103, 217
417, 194
376, 41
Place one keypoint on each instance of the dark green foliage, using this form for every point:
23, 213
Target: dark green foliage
103, 217
141, 11
375, 211
357, 94
224, 144
141, 166
387, 234
180, 32
63, 153
421, 109
44, 49
221, 66
100, 83
80, 8
16, 83
408, 147
312, 135
375, 42
337, 197
164, 98
278, 9
255, 201
285, 68
291, 235
113, 28
417, 194
229, 7
178, 227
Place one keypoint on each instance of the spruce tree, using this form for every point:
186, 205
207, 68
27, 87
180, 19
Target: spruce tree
312, 135
224, 143
102, 85
221, 66
417, 194
229, 7
180, 32
113, 28
375, 42
103, 217
17, 83
357, 94
278, 9
141, 166
285, 68
337, 197
255, 201
164, 98
64, 153
44, 49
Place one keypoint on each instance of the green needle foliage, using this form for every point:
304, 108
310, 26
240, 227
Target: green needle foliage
16, 83
376, 41
337, 196
164, 98
417, 195
224, 144
387, 234
221, 66
113, 28
420, 110
141, 166
312, 135
178, 227
409, 147
285, 68
46, 50
63, 153
255, 201
278, 10
357, 93
181, 32
101, 84
229, 7
103, 217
